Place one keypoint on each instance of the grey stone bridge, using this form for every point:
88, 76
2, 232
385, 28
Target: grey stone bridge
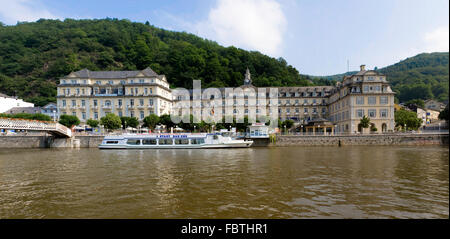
54, 128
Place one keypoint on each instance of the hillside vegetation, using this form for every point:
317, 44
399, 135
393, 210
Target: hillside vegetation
33, 56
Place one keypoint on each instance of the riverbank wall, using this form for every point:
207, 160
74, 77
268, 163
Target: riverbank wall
381, 139
48, 141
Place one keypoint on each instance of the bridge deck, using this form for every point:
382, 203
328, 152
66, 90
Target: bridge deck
54, 128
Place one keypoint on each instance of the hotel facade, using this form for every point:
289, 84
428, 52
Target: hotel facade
93, 94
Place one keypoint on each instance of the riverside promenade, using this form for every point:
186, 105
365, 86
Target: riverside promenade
394, 139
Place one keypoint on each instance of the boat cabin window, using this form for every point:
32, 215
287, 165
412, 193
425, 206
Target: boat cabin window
165, 141
216, 137
149, 141
197, 141
134, 142
112, 142
181, 141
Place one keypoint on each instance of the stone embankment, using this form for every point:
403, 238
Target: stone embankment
47, 141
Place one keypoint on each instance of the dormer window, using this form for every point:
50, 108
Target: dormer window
74, 81
141, 80
98, 82
111, 82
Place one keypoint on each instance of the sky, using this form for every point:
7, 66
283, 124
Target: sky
318, 37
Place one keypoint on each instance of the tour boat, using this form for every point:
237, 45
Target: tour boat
172, 141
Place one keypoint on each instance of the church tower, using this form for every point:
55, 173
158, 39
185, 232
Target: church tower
247, 80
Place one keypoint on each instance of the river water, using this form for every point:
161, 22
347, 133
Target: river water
291, 182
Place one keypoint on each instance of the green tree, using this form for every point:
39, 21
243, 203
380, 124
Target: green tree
444, 114
151, 121
364, 122
407, 118
69, 120
418, 102
165, 120
111, 121
93, 123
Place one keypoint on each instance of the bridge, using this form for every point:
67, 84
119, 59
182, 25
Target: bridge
53, 128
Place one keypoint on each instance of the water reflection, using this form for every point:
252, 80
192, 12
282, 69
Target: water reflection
312, 182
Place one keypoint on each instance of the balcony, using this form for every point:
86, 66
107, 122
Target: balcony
141, 106
119, 106
107, 106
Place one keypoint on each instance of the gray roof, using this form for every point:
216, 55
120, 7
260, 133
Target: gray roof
85, 73
30, 110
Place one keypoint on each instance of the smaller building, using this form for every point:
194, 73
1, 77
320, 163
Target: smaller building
259, 131
9, 102
51, 109
28, 110
434, 105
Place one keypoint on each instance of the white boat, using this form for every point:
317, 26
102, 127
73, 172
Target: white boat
172, 141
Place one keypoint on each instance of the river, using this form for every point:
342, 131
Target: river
288, 182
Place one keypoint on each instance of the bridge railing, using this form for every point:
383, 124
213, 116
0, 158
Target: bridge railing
24, 124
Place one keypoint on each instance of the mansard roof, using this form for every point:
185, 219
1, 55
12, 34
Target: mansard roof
85, 73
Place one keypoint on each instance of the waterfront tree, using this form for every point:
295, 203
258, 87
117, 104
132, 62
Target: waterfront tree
444, 114
407, 118
165, 120
92, 123
111, 121
69, 120
365, 122
151, 121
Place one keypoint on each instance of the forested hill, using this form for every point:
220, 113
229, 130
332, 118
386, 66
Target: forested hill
34, 55
424, 76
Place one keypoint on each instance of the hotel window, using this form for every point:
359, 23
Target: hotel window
83, 103
297, 110
141, 81
74, 113
64, 103
74, 103
131, 113
314, 110
366, 88
131, 102
119, 102
360, 100
95, 115
151, 91
305, 101
68, 91
141, 102
111, 82
83, 91
296, 101
372, 100
150, 102
98, 82
142, 115
246, 111
383, 100
372, 113
323, 110
383, 113
78, 91
120, 114
371, 78
360, 113
74, 81
136, 91
83, 115
377, 88
288, 110
306, 110
108, 103
95, 102
145, 91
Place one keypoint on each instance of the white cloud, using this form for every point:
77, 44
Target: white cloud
12, 11
250, 24
437, 40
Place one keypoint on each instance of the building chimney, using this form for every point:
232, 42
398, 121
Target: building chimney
363, 67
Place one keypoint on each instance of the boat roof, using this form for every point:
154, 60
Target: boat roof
155, 136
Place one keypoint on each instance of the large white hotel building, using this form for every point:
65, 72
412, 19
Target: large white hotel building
93, 94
